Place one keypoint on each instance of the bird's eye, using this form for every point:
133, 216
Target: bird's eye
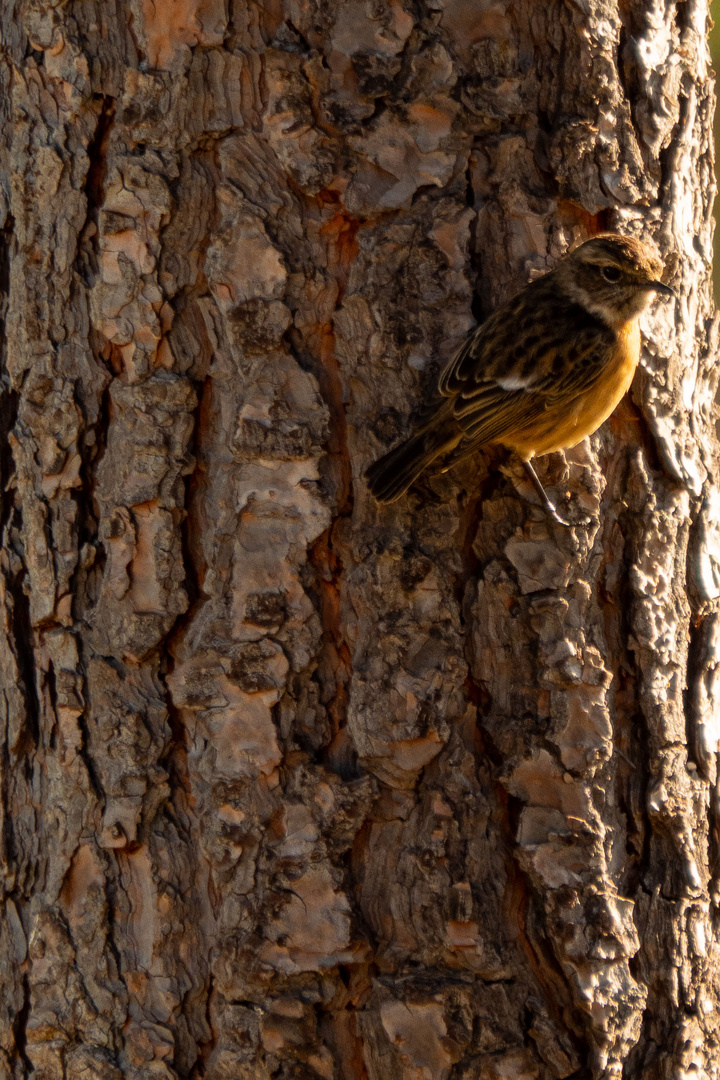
611, 273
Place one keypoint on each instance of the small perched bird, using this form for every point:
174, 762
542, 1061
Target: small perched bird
543, 372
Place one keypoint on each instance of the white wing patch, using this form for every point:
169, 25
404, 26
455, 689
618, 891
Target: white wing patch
515, 382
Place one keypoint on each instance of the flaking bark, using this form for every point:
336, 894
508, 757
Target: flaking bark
294, 785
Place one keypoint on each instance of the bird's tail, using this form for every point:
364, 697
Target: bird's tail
391, 475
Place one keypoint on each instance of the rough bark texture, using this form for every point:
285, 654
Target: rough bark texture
293, 785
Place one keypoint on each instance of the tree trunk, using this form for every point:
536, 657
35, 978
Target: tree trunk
294, 785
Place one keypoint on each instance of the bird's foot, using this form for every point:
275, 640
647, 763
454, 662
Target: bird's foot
547, 502
556, 515
578, 518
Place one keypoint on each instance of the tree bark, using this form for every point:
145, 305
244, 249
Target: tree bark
294, 785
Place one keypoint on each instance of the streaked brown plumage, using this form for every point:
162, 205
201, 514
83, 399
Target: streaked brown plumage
543, 372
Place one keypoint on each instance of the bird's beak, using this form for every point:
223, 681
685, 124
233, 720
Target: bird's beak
660, 288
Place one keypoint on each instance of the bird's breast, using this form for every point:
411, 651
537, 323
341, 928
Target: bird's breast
567, 423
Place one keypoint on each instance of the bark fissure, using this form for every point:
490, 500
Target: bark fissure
20, 1030
23, 639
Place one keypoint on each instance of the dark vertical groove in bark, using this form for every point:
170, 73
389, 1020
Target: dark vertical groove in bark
20, 1031
24, 643
97, 153
8, 396
84, 594
697, 656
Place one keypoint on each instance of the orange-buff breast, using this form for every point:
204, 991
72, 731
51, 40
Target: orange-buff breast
566, 424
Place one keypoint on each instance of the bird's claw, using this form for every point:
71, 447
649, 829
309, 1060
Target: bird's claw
547, 502
557, 516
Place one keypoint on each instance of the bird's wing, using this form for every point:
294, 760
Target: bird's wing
517, 365
493, 411
481, 352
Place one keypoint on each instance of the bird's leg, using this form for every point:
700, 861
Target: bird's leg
544, 497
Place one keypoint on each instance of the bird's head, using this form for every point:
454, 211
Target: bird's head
614, 277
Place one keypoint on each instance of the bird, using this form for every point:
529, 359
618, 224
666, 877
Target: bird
544, 371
